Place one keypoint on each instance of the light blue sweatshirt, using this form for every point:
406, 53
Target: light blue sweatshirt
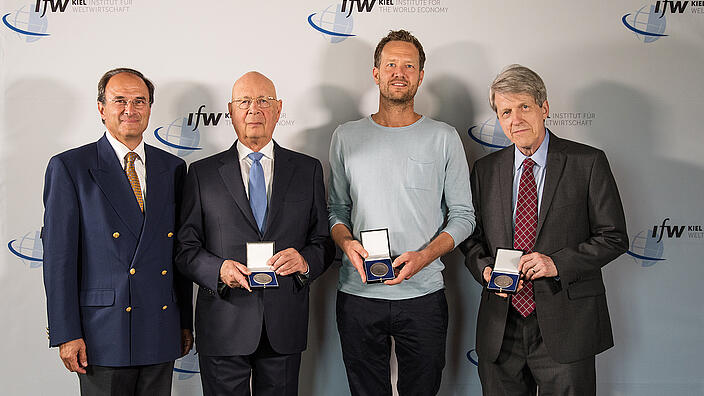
413, 180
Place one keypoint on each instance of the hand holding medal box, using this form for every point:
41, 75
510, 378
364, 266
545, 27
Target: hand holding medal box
262, 276
377, 265
505, 275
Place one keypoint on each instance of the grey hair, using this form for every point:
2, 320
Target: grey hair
518, 79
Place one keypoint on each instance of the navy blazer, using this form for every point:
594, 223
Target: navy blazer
108, 268
581, 226
216, 224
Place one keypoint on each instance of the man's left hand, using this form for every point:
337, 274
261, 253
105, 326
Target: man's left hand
413, 262
537, 265
287, 262
186, 341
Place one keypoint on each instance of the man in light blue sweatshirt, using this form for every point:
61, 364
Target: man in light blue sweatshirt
405, 172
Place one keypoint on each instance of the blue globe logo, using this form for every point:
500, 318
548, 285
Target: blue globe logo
28, 248
187, 366
27, 23
178, 137
472, 357
333, 23
646, 24
645, 249
489, 135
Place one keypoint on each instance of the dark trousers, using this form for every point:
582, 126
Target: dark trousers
524, 364
150, 380
419, 328
271, 372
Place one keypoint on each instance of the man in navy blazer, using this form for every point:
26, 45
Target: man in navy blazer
118, 310
558, 201
243, 331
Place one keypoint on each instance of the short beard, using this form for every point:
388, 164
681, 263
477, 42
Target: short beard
400, 101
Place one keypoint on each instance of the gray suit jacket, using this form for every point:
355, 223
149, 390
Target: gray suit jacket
581, 226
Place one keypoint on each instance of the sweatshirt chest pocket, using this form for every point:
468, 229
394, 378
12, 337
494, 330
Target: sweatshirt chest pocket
419, 174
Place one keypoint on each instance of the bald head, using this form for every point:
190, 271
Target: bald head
253, 81
254, 124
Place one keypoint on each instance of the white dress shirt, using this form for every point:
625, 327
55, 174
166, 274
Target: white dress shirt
267, 162
139, 164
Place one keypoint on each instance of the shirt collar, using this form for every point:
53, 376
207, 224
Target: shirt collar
540, 156
121, 150
243, 151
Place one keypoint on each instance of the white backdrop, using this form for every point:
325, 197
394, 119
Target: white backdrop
638, 96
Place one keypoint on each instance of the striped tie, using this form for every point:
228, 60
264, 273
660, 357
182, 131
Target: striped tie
134, 180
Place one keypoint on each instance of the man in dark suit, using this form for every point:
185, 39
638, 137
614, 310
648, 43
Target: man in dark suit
118, 311
558, 201
255, 191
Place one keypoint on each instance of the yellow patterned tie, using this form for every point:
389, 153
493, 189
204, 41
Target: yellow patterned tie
134, 180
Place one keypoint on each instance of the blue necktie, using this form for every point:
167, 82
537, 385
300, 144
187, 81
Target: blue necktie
257, 189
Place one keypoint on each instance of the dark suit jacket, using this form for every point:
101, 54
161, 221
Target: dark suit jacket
216, 224
581, 226
94, 234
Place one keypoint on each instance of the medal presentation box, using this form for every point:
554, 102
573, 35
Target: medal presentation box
377, 265
262, 275
505, 276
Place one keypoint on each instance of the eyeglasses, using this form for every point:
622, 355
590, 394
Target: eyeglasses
263, 102
137, 103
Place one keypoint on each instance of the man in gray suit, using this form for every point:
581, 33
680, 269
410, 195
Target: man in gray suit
558, 202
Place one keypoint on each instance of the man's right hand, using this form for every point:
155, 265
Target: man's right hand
350, 247
234, 274
356, 253
73, 354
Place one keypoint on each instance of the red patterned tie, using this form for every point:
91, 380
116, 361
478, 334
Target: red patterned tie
134, 180
524, 233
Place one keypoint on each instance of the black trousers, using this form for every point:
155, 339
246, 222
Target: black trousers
149, 380
271, 372
419, 328
524, 365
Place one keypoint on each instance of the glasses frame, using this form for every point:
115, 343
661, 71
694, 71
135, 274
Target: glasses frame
241, 101
135, 105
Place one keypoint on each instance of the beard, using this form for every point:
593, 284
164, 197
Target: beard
399, 98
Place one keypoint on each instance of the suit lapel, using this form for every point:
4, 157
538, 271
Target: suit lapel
112, 180
231, 175
506, 183
283, 172
554, 166
157, 197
